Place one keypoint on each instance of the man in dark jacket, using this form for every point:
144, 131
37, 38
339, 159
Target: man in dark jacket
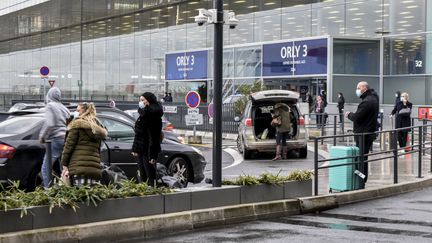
365, 118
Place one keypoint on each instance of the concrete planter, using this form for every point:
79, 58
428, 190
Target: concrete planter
295, 189
261, 193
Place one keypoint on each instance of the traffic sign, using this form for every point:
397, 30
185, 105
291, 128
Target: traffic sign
51, 82
44, 71
170, 109
210, 110
194, 119
193, 111
192, 99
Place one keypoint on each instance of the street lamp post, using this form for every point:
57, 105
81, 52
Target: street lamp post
218, 17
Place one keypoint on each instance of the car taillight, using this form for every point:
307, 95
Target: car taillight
6, 151
169, 127
301, 121
248, 122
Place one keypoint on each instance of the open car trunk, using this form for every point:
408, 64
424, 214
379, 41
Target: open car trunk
262, 117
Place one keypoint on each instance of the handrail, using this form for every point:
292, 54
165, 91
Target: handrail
419, 147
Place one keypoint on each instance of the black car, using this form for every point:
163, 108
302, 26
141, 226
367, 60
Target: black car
21, 154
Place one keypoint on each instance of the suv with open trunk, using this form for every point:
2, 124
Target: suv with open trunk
255, 133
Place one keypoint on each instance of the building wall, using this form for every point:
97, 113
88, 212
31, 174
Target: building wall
117, 47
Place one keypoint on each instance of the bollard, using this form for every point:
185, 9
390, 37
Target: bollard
412, 132
334, 130
424, 129
420, 152
322, 126
383, 139
395, 157
315, 166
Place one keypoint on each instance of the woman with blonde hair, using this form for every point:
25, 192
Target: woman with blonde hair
81, 154
402, 110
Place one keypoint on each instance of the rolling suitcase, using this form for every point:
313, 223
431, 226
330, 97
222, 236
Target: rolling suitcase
344, 178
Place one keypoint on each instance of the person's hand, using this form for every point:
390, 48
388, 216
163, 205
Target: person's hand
152, 161
65, 171
134, 154
347, 113
391, 116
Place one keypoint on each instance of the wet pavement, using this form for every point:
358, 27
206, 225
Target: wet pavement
402, 218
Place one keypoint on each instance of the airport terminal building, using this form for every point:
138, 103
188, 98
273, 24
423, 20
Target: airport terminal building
121, 48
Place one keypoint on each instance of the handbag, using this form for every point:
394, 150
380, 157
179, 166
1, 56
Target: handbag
276, 121
404, 112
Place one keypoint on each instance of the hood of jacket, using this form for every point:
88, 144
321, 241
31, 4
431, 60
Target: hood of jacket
282, 106
53, 95
98, 132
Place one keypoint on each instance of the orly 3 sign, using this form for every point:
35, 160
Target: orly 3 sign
304, 57
186, 65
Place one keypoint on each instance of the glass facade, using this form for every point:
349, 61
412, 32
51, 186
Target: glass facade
116, 48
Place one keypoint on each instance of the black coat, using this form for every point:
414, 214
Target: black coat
148, 129
366, 117
341, 102
402, 120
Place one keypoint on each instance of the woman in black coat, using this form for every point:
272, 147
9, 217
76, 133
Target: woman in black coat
147, 142
402, 111
340, 106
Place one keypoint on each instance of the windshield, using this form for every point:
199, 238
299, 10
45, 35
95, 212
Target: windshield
18, 125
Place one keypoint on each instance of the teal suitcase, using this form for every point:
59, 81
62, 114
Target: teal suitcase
343, 178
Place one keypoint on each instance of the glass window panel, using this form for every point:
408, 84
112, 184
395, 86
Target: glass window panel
296, 24
365, 18
248, 61
267, 25
347, 85
405, 16
414, 86
405, 55
356, 57
328, 20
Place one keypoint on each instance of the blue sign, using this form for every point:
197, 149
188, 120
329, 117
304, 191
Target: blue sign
308, 57
186, 65
44, 71
192, 99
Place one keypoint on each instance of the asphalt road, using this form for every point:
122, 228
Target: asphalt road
233, 164
402, 218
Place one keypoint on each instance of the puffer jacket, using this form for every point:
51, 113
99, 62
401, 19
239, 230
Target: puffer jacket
283, 111
366, 117
81, 153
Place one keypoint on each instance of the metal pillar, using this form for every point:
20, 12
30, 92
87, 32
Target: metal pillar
217, 95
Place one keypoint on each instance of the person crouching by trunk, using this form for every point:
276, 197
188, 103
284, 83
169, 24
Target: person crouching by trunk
281, 120
81, 155
147, 142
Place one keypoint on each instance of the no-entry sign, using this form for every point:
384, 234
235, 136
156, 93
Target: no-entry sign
192, 99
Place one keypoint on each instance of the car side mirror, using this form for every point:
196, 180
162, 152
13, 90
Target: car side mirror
237, 119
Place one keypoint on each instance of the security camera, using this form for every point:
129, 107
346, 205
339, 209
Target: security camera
201, 18
232, 21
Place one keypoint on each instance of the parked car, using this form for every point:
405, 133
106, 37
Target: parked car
21, 154
256, 120
26, 106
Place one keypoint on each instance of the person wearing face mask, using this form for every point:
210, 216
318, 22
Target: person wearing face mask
340, 106
402, 110
365, 118
147, 142
54, 129
81, 155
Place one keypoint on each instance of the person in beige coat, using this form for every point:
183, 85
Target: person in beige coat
282, 115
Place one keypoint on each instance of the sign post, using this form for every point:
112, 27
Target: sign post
193, 117
44, 71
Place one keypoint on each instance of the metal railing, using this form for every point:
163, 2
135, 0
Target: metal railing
422, 144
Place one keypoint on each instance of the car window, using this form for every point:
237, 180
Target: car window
18, 125
118, 131
115, 114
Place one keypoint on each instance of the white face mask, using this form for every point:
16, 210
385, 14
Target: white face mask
358, 92
396, 95
402, 99
75, 114
141, 104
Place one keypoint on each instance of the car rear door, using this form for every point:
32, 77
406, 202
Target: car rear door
119, 143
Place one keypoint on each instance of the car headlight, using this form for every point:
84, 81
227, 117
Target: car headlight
198, 151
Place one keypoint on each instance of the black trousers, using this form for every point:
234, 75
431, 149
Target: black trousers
368, 140
281, 138
147, 170
402, 138
341, 115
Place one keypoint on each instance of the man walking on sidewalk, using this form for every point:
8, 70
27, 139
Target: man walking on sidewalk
365, 118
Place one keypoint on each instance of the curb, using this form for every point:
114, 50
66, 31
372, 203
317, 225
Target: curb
150, 226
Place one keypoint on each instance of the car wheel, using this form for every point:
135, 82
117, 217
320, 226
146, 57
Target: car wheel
247, 154
239, 145
179, 168
34, 180
303, 152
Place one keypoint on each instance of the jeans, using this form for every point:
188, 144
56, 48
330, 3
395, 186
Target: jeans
57, 145
147, 170
281, 138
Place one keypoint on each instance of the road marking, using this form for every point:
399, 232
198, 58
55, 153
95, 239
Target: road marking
238, 158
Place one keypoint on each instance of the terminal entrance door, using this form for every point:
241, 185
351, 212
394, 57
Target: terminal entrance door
312, 85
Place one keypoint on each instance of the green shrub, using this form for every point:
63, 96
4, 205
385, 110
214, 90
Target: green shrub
269, 178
